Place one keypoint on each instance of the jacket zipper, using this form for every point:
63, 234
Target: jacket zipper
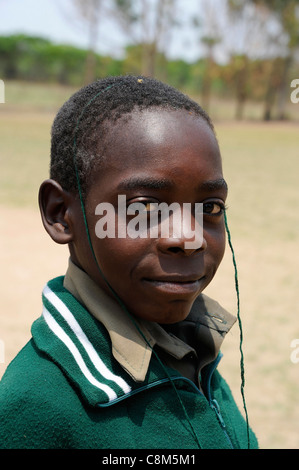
213, 402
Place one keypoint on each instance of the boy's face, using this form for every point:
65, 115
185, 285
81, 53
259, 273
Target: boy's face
156, 156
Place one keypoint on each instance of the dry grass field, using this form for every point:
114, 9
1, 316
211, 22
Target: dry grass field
261, 165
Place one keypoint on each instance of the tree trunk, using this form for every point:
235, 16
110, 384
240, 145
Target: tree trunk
269, 103
207, 81
241, 86
271, 90
90, 64
283, 89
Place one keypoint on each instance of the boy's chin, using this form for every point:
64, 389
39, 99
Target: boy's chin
178, 312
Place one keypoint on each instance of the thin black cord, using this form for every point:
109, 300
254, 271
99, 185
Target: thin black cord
240, 326
131, 317
110, 287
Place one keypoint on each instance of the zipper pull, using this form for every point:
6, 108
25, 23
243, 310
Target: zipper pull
215, 406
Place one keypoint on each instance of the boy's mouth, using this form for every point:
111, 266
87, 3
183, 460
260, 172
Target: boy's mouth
176, 284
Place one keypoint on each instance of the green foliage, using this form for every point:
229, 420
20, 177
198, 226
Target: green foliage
126, 8
286, 12
37, 59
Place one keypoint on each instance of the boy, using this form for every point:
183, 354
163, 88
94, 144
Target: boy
126, 350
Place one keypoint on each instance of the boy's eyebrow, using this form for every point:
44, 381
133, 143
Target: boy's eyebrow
137, 182
214, 185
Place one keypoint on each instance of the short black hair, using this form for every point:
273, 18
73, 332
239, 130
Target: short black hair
82, 121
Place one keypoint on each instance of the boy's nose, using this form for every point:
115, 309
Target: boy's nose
181, 245
185, 235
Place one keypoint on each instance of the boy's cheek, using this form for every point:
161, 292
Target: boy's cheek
216, 243
120, 252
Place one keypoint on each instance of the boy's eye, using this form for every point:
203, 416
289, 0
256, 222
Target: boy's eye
213, 208
149, 206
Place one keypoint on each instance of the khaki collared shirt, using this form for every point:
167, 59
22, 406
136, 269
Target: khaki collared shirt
186, 346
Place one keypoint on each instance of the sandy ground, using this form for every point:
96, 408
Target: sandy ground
29, 259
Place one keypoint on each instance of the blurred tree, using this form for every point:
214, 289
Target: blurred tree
287, 12
147, 24
241, 80
37, 59
248, 41
90, 11
209, 70
207, 22
179, 74
10, 49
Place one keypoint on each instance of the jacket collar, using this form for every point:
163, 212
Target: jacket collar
79, 344
202, 332
75, 341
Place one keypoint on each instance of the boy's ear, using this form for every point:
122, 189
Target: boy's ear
54, 203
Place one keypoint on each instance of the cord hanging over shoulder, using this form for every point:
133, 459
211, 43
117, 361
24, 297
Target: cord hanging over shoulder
240, 326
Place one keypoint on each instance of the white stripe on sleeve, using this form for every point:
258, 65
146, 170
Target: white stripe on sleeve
93, 355
60, 333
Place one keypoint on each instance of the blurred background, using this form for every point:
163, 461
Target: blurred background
240, 60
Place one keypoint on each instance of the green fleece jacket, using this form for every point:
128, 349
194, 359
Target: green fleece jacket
65, 390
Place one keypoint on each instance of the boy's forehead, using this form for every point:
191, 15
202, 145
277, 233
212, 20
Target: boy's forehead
156, 125
154, 148
149, 131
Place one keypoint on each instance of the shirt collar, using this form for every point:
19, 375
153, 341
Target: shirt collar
129, 348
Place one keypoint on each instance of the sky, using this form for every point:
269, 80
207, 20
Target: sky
57, 20
60, 22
